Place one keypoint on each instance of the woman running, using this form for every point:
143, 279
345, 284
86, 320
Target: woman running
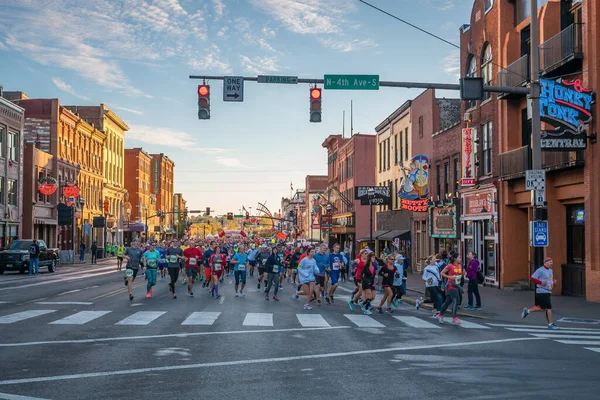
368, 283
151, 258
239, 262
453, 272
387, 273
217, 264
306, 273
358, 292
272, 267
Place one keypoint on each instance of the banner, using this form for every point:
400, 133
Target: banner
468, 157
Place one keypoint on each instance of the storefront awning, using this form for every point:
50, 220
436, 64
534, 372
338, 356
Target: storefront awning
391, 235
376, 235
135, 227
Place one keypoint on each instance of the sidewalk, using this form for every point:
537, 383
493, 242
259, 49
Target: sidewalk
507, 306
87, 260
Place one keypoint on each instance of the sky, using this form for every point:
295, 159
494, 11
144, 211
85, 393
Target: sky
136, 57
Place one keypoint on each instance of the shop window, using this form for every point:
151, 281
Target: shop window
421, 126
389, 153
12, 192
489, 227
380, 157
469, 228
490, 258
576, 234
486, 132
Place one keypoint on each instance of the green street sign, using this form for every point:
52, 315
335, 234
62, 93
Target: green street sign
293, 80
351, 82
238, 216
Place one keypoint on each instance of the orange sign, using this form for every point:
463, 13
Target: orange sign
468, 157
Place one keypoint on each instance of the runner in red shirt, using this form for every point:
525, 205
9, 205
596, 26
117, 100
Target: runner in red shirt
193, 257
358, 291
217, 263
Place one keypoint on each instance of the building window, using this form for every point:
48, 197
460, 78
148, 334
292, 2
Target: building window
380, 157
2, 132
456, 176
421, 126
395, 193
486, 68
350, 164
438, 179
406, 144
486, 132
396, 149
400, 152
383, 154
13, 145
389, 158
488, 4
1, 190
575, 234
12, 192
471, 73
446, 177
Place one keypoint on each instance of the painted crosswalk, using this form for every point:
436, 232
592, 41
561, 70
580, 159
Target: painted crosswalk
567, 335
212, 318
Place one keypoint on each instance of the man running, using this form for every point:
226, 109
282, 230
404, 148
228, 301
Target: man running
252, 254
133, 255
322, 260
544, 282
184, 247
239, 270
174, 257
120, 252
162, 266
151, 259
205, 260
192, 256
263, 256
336, 262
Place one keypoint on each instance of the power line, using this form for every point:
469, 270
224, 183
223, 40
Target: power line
252, 171
227, 182
435, 36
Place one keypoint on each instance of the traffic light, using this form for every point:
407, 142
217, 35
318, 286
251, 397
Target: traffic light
247, 215
207, 211
315, 104
203, 102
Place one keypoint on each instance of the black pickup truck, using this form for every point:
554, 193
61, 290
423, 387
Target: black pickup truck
16, 256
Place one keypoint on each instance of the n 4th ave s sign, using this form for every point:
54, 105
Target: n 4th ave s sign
351, 82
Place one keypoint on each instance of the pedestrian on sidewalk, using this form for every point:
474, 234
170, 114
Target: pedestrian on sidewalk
473, 288
81, 252
544, 280
34, 257
94, 249
453, 272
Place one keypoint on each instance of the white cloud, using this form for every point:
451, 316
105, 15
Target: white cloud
307, 16
219, 8
130, 110
451, 64
169, 137
209, 61
65, 87
229, 162
3, 46
223, 31
259, 65
446, 5
347, 46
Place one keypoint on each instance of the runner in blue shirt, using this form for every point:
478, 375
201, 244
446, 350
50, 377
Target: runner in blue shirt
336, 262
322, 259
151, 258
239, 261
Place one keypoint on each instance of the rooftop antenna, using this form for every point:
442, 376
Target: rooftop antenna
344, 125
351, 120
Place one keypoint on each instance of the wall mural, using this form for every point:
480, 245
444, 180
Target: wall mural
414, 188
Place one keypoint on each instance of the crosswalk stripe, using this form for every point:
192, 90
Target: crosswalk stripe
559, 331
23, 315
141, 318
258, 319
417, 322
539, 327
80, 318
201, 318
568, 336
364, 321
596, 349
472, 325
312, 320
582, 342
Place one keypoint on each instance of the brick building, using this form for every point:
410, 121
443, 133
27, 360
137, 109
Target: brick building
138, 183
316, 185
162, 187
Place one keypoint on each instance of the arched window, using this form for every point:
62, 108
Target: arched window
488, 4
486, 67
471, 73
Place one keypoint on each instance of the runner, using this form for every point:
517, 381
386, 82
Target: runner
133, 255
174, 256
272, 266
239, 262
281, 262
252, 254
398, 286
322, 260
151, 259
192, 256
162, 266
306, 273
184, 247
368, 283
431, 276
387, 272
544, 282
336, 262
120, 252
453, 272
217, 265
294, 261
207, 254
358, 292
263, 256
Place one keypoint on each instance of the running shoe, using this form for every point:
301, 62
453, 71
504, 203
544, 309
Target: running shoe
362, 306
218, 296
327, 300
367, 312
307, 307
242, 294
418, 304
191, 294
267, 297
174, 296
319, 303
280, 287
394, 304
275, 298
331, 298
183, 281
440, 318
379, 310
552, 326
148, 296
130, 297
525, 312
351, 305
295, 296
456, 321
477, 308
237, 294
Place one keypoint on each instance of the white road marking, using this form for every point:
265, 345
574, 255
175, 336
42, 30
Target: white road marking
23, 315
80, 318
256, 361
201, 318
558, 331
471, 325
258, 319
364, 321
222, 299
141, 318
582, 342
312, 320
544, 327
73, 303
69, 292
8, 396
596, 349
4, 302
417, 323
567, 336
345, 289
62, 280
171, 335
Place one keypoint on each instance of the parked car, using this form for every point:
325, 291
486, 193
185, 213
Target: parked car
16, 256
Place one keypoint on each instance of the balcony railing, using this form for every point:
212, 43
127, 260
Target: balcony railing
514, 163
516, 74
561, 48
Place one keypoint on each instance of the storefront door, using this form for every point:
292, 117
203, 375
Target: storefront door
479, 237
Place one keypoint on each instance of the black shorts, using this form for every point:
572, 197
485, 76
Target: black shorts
135, 272
320, 280
252, 263
543, 300
367, 285
262, 270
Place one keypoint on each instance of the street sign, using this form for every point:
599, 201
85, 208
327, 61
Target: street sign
538, 198
535, 179
233, 88
538, 233
375, 195
351, 82
293, 80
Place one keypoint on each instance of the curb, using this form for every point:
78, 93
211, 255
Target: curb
412, 301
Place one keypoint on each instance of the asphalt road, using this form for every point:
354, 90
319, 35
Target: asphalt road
75, 335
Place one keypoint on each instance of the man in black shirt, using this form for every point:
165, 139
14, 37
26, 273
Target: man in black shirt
34, 256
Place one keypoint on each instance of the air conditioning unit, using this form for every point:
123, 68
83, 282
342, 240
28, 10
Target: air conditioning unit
468, 117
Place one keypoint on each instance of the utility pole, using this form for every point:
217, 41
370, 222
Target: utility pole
351, 119
536, 151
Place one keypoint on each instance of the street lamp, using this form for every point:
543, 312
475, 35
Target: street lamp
371, 193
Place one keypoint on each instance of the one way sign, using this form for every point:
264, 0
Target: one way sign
233, 88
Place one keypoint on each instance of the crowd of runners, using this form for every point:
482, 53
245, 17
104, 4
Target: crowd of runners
313, 271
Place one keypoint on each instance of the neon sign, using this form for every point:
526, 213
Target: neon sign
567, 106
468, 157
